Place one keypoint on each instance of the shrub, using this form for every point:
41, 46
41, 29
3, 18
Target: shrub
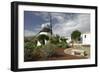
49, 49
27, 54
32, 52
29, 45
43, 52
64, 45
38, 54
54, 40
28, 48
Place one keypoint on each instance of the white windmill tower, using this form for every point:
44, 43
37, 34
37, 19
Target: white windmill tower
45, 33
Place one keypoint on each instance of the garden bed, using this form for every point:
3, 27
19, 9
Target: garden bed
59, 55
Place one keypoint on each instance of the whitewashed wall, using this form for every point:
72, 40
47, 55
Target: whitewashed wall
86, 38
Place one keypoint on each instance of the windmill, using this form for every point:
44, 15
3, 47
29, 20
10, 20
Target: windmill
46, 32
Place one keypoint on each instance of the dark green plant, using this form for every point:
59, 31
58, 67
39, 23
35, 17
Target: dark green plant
28, 48
75, 36
54, 40
62, 45
29, 45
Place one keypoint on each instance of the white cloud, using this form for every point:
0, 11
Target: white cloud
64, 23
78, 22
28, 33
59, 17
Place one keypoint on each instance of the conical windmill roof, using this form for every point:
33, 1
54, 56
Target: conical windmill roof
46, 28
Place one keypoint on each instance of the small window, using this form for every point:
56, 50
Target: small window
85, 36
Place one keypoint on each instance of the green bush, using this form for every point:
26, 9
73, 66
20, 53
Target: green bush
34, 53
62, 45
39, 54
49, 49
29, 45
42, 52
28, 48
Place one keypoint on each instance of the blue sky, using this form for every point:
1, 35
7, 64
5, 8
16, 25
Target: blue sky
62, 23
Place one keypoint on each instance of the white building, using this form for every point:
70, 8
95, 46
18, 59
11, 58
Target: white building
85, 38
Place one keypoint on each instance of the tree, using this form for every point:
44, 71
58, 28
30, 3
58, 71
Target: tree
75, 36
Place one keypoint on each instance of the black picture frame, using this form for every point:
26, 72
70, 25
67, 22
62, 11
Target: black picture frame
14, 35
